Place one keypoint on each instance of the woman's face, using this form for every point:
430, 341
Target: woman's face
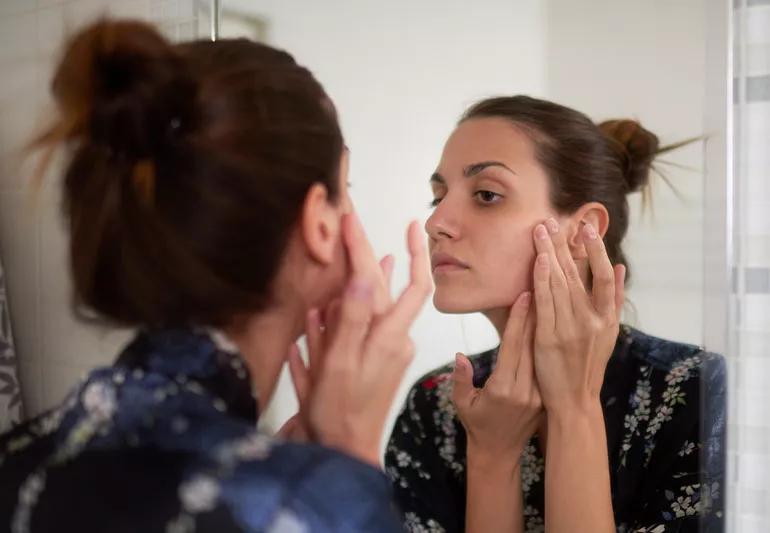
489, 194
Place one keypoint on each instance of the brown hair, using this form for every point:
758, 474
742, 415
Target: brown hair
585, 162
189, 166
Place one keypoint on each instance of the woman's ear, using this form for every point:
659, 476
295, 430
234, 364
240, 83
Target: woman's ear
592, 213
320, 224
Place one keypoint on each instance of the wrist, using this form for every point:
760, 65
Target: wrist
365, 450
576, 418
583, 408
366, 454
480, 459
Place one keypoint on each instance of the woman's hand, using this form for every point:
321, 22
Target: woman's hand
576, 330
360, 255
574, 338
358, 358
500, 418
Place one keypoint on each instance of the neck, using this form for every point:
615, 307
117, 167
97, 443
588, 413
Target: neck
499, 318
263, 340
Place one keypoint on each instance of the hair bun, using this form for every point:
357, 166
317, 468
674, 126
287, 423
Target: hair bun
638, 146
122, 84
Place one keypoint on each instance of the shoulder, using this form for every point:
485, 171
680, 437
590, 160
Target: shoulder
303, 484
250, 483
677, 360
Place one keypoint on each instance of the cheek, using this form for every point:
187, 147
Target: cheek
508, 268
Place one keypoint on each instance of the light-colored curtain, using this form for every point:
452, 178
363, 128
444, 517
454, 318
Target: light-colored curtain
749, 328
10, 392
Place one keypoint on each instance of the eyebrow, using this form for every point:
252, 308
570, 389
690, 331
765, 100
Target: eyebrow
471, 170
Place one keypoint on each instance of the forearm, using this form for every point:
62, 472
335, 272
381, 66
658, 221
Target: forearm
494, 499
578, 496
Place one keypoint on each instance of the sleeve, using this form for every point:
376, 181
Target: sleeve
302, 488
425, 460
340, 494
686, 493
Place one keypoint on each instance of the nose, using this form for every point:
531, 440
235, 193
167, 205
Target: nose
440, 225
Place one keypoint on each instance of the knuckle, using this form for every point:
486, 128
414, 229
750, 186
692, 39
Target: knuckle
379, 344
604, 278
572, 273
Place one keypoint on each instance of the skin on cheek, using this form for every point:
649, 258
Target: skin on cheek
498, 276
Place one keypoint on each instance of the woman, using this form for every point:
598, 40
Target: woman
206, 197
575, 423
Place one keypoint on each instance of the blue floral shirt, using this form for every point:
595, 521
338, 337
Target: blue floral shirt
165, 440
664, 412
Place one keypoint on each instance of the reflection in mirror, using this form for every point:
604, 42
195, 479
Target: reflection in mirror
401, 77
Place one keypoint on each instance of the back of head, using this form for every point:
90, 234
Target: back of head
188, 165
585, 162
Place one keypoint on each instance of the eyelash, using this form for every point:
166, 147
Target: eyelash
436, 201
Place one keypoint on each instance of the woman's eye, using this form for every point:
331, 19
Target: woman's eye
488, 197
434, 202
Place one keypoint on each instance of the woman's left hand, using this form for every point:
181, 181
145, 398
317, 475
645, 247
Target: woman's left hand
576, 330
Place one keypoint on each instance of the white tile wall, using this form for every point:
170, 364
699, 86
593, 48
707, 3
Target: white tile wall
54, 349
749, 437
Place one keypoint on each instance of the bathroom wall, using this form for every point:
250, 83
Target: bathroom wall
53, 348
646, 60
749, 324
401, 73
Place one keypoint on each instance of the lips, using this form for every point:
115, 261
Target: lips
441, 261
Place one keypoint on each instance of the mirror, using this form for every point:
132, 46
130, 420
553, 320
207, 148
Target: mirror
402, 73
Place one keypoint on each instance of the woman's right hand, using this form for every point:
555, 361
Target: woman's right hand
359, 361
501, 417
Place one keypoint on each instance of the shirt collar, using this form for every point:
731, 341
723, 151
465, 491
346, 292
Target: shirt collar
201, 355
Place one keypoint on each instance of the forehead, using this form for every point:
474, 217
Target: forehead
487, 139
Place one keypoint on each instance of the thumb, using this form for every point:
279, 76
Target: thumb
300, 377
462, 377
289, 428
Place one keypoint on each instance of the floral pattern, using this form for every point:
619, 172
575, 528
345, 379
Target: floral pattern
165, 440
10, 392
666, 475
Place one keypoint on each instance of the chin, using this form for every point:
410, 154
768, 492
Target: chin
465, 301
453, 304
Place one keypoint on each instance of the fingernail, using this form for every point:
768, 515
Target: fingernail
526, 298
541, 232
458, 362
590, 231
542, 260
552, 225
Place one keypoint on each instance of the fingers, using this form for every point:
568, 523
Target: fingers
386, 265
293, 429
525, 372
352, 327
314, 338
362, 259
601, 271
562, 300
563, 254
462, 377
300, 377
620, 290
544, 305
512, 341
412, 298
289, 428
